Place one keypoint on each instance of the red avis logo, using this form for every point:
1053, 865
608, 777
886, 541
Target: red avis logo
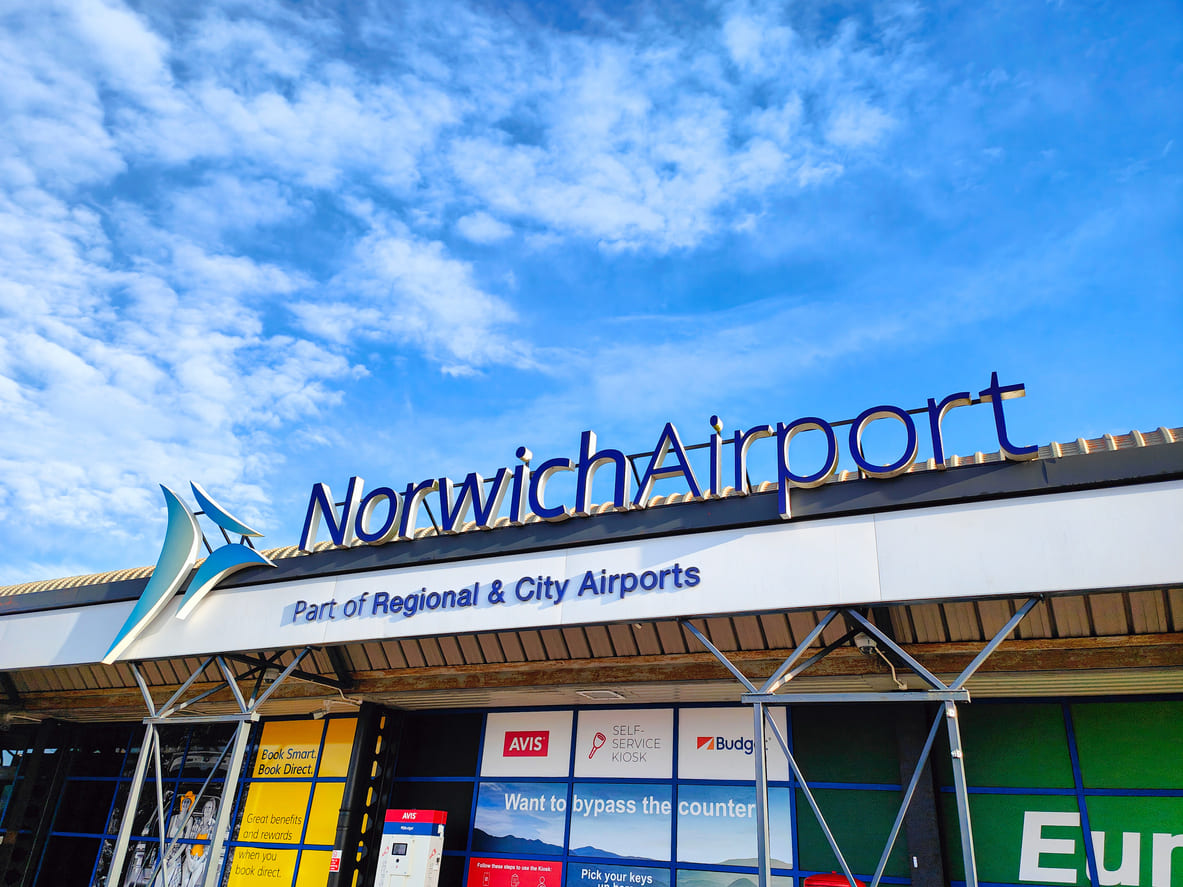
526, 744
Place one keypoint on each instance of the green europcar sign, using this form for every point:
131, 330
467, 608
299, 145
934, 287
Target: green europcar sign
1042, 775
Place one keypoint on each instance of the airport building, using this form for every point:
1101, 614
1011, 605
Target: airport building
603, 669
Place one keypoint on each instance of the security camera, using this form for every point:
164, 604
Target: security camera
866, 644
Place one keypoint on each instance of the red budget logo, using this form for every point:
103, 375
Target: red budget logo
707, 742
526, 744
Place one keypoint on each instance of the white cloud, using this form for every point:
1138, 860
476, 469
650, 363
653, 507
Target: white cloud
757, 44
480, 227
412, 291
856, 124
114, 378
247, 52
225, 203
650, 140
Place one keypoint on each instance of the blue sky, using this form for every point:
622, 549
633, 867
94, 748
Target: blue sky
262, 245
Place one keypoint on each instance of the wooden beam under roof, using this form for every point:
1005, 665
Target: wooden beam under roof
80, 699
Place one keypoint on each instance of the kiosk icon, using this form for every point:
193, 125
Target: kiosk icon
597, 744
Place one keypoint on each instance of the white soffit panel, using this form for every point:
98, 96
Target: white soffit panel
1114, 538
60, 637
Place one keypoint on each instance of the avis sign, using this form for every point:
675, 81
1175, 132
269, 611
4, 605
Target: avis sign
520, 743
526, 743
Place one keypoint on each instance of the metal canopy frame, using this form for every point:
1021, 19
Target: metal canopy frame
176, 710
946, 694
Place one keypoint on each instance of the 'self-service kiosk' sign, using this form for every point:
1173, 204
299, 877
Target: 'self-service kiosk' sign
412, 848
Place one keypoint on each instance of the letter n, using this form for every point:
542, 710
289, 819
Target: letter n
320, 503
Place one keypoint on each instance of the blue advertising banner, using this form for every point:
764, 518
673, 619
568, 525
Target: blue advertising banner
717, 825
621, 820
520, 817
699, 878
594, 875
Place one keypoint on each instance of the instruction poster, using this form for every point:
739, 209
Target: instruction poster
514, 873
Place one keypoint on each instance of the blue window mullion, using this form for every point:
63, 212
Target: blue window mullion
1081, 800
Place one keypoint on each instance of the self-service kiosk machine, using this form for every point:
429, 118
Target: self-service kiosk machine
412, 848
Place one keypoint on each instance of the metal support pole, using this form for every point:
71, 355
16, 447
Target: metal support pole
129, 810
229, 787
232, 683
150, 750
144, 690
160, 806
764, 866
947, 695
884, 696
957, 758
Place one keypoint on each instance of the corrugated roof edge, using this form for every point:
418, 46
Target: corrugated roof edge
125, 584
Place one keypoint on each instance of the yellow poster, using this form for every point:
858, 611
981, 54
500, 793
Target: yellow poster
260, 867
274, 812
314, 868
291, 758
289, 749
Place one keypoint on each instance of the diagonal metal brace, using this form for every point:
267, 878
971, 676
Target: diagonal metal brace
781, 675
998, 638
921, 762
719, 654
804, 788
784, 676
306, 676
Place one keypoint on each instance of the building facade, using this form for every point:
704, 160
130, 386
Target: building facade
585, 690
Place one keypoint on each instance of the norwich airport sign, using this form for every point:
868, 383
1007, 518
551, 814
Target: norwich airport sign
385, 515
